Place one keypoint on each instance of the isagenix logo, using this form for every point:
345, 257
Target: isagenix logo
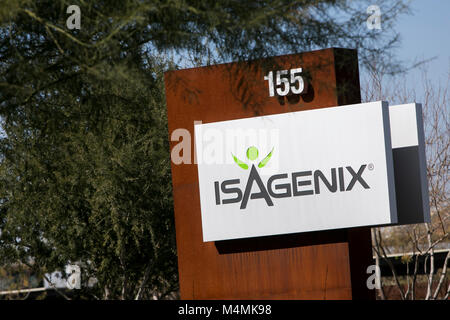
285, 185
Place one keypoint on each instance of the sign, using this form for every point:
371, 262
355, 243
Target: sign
310, 265
296, 172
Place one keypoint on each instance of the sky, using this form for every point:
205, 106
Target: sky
426, 34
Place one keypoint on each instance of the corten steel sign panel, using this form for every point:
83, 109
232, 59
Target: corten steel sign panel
314, 265
296, 172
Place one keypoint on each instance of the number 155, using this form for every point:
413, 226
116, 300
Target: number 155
285, 84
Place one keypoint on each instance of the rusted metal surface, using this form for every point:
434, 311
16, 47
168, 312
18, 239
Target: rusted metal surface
316, 265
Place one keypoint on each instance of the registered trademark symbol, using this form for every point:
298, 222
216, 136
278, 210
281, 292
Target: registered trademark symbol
370, 166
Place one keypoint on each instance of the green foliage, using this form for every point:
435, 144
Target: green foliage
84, 154
87, 180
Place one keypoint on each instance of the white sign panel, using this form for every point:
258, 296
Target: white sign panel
296, 172
408, 147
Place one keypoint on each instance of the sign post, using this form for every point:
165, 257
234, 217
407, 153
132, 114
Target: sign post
328, 264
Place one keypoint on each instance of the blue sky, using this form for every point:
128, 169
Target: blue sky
426, 34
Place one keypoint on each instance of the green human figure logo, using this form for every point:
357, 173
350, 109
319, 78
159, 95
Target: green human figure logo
252, 154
